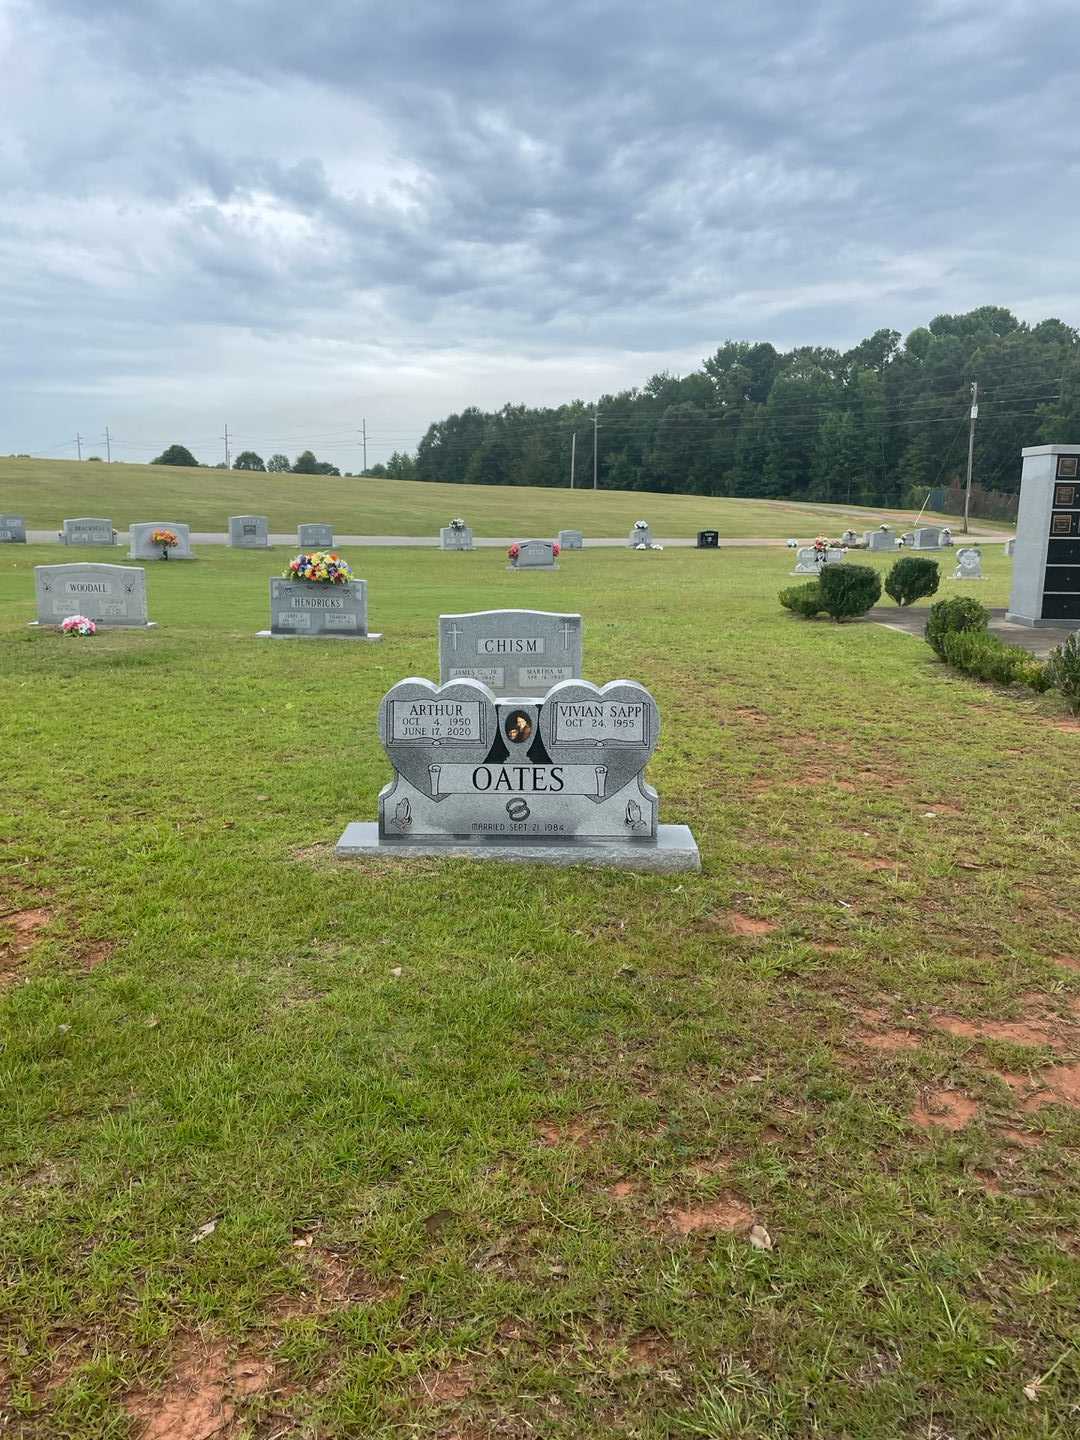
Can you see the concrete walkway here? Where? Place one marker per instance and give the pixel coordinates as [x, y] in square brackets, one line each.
[913, 622]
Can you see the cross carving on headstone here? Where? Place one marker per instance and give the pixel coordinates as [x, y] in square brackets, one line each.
[454, 631]
[566, 632]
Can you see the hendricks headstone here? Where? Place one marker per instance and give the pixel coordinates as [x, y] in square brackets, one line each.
[512, 652]
[12, 530]
[307, 610]
[456, 536]
[968, 565]
[88, 530]
[557, 780]
[708, 539]
[249, 532]
[315, 537]
[1046, 557]
[143, 548]
[534, 555]
[106, 594]
[571, 540]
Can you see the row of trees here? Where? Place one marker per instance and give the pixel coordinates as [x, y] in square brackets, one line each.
[304, 464]
[873, 425]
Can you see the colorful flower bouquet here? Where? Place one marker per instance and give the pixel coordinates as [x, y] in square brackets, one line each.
[166, 539]
[320, 567]
[78, 625]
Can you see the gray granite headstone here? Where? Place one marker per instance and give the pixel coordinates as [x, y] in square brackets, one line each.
[879, 540]
[12, 530]
[640, 535]
[571, 540]
[927, 537]
[315, 537]
[512, 652]
[249, 532]
[143, 548]
[106, 594]
[534, 555]
[849, 537]
[88, 530]
[456, 538]
[968, 565]
[305, 609]
[557, 780]
[1010, 547]
[806, 561]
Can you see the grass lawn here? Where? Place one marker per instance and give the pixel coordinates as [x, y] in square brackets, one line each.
[317, 1150]
[46, 492]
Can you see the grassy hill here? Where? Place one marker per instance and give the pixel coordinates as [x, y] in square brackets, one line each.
[47, 491]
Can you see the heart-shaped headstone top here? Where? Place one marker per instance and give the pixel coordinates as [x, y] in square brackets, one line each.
[616, 725]
[421, 724]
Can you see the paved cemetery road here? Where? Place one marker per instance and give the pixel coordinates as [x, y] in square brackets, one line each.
[1037, 642]
[431, 542]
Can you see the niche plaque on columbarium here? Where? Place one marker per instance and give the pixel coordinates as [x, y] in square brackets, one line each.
[557, 779]
[1046, 556]
[512, 652]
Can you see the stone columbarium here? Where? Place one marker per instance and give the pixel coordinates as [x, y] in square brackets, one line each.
[555, 776]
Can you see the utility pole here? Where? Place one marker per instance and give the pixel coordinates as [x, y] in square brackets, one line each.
[595, 427]
[227, 465]
[108, 446]
[78, 442]
[573, 456]
[363, 431]
[971, 451]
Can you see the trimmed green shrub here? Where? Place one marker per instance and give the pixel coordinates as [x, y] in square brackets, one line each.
[848, 590]
[985, 656]
[804, 600]
[911, 578]
[948, 617]
[1063, 671]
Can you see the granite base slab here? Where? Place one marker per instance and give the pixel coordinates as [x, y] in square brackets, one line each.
[675, 850]
[327, 635]
[101, 624]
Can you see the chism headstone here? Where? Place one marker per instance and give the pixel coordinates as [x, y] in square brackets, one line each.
[512, 652]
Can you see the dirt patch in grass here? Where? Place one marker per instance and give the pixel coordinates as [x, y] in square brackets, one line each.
[1068, 962]
[946, 1109]
[332, 1281]
[446, 1387]
[25, 925]
[891, 1042]
[727, 1215]
[1057, 1086]
[1014, 1032]
[650, 1351]
[199, 1400]
[875, 862]
[739, 924]
[623, 1189]
[97, 954]
[324, 850]
[571, 1132]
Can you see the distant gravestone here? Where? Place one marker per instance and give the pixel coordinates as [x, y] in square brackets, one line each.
[315, 537]
[306, 610]
[556, 780]
[928, 537]
[106, 594]
[249, 532]
[1010, 547]
[512, 652]
[811, 561]
[640, 537]
[533, 555]
[571, 540]
[849, 537]
[12, 530]
[456, 536]
[708, 539]
[968, 565]
[879, 540]
[88, 530]
[143, 548]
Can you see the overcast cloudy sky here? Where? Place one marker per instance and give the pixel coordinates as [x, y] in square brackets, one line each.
[288, 216]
